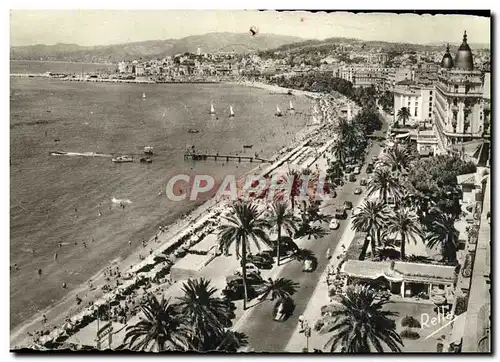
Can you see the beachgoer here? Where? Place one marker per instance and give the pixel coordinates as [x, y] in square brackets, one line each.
[39, 272]
[130, 242]
[328, 255]
[55, 256]
[76, 243]
[64, 285]
[93, 239]
[85, 245]
[44, 319]
[59, 244]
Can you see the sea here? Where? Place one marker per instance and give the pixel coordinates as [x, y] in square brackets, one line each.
[67, 200]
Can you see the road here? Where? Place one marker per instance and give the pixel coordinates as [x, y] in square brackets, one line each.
[266, 335]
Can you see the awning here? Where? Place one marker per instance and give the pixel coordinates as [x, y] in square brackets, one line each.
[404, 135]
[458, 328]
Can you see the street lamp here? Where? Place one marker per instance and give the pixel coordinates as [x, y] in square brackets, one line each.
[307, 334]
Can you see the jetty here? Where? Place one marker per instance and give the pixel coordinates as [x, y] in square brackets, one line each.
[216, 157]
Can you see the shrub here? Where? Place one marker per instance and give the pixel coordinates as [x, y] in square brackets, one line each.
[410, 322]
[409, 334]
[318, 325]
[461, 306]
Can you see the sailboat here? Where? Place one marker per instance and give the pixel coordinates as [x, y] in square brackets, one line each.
[143, 95]
[212, 109]
[291, 106]
[231, 113]
[278, 112]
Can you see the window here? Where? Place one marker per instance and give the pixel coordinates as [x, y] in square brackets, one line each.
[430, 114]
[430, 93]
[416, 109]
[430, 99]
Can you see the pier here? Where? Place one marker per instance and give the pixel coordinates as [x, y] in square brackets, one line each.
[227, 158]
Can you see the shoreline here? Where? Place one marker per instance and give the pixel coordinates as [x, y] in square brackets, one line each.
[67, 303]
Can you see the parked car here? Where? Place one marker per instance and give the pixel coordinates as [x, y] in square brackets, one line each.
[347, 205]
[234, 289]
[362, 182]
[352, 177]
[358, 191]
[369, 169]
[357, 170]
[309, 265]
[263, 260]
[334, 224]
[251, 269]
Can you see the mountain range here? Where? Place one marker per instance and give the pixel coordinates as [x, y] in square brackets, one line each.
[211, 42]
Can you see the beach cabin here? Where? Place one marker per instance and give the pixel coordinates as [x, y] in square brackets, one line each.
[409, 281]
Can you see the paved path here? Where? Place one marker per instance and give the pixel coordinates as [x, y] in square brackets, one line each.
[266, 335]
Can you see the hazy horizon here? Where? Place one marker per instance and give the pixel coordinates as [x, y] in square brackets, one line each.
[109, 27]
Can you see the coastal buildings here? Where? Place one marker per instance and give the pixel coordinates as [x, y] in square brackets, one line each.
[417, 98]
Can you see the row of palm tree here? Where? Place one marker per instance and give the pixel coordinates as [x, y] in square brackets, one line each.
[407, 219]
[198, 321]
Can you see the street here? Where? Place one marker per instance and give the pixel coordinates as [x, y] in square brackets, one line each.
[265, 334]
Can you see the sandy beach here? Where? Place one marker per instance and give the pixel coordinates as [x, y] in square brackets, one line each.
[58, 312]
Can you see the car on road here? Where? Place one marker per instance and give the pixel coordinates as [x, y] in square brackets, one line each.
[369, 169]
[352, 178]
[358, 191]
[283, 309]
[363, 182]
[357, 170]
[347, 205]
[307, 265]
[334, 224]
[340, 213]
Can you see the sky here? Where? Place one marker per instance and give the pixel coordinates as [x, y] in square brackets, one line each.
[102, 27]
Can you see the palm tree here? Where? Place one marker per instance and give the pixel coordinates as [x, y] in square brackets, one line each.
[358, 324]
[206, 315]
[335, 171]
[244, 224]
[385, 183]
[442, 232]
[404, 223]
[403, 115]
[162, 328]
[372, 216]
[282, 218]
[228, 341]
[293, 181]
[278, 289]
[339, 150]
[398, 158]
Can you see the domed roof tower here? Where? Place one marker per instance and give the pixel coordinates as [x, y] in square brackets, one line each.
[447, 61]
[463, 58]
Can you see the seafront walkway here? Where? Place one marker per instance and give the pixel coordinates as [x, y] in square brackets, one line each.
[265, 334]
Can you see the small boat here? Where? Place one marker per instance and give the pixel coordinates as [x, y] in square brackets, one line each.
[247, 146]
[278, 112]
[122, 159]
[57, 153]
[291, 106]
[212, 109]
[231, 113]
[143, 95]
[148, 150]
[193, 130]
[146, 160]
[290, 92]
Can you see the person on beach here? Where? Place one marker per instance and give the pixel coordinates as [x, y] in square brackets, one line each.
[130, 242]
[55, 256]
[39, 272]
[143, 243]
[328, 255]
[15, 267]
[59, 244]
[44, 319]
[85, 245]
[64, 285]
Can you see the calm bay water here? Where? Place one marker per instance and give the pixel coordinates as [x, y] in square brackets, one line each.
[114, 119]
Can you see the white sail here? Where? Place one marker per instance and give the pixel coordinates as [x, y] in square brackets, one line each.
[291, 105]
[231, 113]
[143, 95]
[212, 109]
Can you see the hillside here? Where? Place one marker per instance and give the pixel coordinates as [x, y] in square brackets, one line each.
[211, 42]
